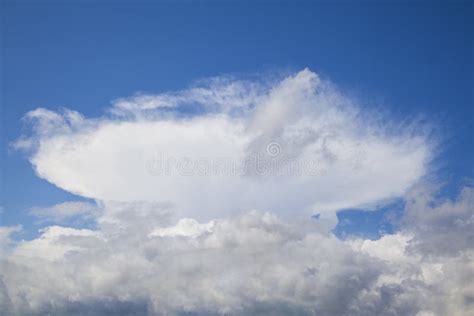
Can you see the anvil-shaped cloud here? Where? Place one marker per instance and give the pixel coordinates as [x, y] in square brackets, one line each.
[294, 146]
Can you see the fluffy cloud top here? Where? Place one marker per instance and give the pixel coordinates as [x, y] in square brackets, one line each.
[288, 146]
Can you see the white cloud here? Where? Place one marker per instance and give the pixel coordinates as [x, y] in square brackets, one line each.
[186, 227]
[66, 210]
[5, 240]
[166, 245]
[52, 245]
[335, 145]
[445, 227]
[219, 94]
[433, 253]
[247, 264]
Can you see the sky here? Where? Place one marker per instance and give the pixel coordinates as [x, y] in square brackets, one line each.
[375, 98]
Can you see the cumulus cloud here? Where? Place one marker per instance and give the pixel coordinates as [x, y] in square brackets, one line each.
[5, 233]
[445, 227]
[432, 255]
[186, 227]
[227, 145]
[66, 210]
[252, 263]
[203, 195]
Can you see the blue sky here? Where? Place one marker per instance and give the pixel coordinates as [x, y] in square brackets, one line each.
[411, 59]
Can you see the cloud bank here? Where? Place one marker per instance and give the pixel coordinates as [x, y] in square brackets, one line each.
[203, 199]
[253, 263]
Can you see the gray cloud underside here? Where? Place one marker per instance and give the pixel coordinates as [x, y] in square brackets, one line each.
[142, 262]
